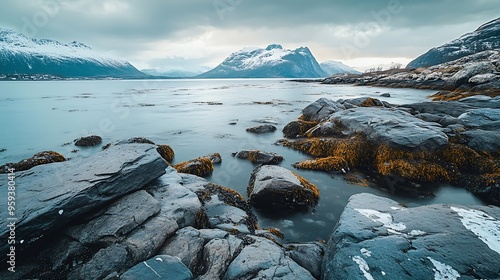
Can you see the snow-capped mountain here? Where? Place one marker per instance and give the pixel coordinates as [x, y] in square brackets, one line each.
[22, 55]
[336, 67]
[271, 62]
[486, 37]
[176, 73]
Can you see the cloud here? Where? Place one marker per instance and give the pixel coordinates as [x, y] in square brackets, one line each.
[206, 31]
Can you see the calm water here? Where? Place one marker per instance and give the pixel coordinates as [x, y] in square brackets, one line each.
[193, 117]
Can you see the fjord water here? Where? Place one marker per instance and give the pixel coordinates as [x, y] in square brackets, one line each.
[195, 117]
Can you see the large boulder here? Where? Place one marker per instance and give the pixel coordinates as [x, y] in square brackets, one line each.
[265, 260]
[396, 128]
[257, 156]
[374, 233]
[320, 109]
[187, 245]
[87, 141]
[201, 166]
[265, 128]
[60, 192]
[161, 266]
[451, 108]
[482, 117]
[482, 140]
[275, 187]
[470, 70]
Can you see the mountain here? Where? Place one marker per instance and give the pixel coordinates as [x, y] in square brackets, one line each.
[335, 67]
[177, 73]
[22, 55]
[486, 37]
[271, 62]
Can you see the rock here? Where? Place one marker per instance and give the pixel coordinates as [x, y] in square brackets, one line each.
[161, 266]
[275, 187]
[325, 129]
[387, 234]
[214, 158]
[146, 240]
[480, 117]
[307, 255]
[364, 102]
[209, 234]
[118, 220]
[386, 94]
[482, 140]
[325, 164]
[257, 156]
[2, 150]
[187, 245]
[216, 257]
[262, 129]
[469, 71]
[320, 109]
[264, 260]
[483, 78]
[60, 192]
[38, 159]
[103, 263]
[198, 166]
[428, 117]
[166, 152]
[86, 141]
[395, 128]
[450, 108]
[297, 128]
[134, 140]
[176, 201]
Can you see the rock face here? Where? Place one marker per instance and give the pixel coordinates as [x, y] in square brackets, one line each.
[60, 192]
[267, 128]
[257, 156]
[486, 37]
[274, 186]
[394, 127]
[374, 234]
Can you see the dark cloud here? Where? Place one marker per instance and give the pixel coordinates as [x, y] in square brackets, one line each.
[140, 29]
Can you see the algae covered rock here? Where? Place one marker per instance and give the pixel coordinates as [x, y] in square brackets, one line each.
[166, 152]
[320, 109]
[37, 159]
[199, 166]
[87, 141]
[297, 128]
[257, 156]
[266, 128]
[274, 187]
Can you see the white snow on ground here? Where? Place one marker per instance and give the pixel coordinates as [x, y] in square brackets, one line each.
[443, 271]
[363, 266]
[481, 224]
[384, 218]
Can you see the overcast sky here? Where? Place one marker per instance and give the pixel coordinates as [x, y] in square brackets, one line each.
[189, 34]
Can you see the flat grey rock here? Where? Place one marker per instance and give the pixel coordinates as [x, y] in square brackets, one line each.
[257, 156]
[480, 117]
[103, 263]
[216, 258]
[393, 127]
[60, 192]
[320, 109]
[427, 242]
[187, 245]
[265, 260]
[307, 255]
[482, 140]
[159, 267]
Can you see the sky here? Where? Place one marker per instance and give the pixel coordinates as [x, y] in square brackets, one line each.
[199, 34]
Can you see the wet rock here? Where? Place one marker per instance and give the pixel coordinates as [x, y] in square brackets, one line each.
[199, 166]
[325, 164]
[307, 255]
[216, 256]
[38, 159]
[364, 102]
[134, 140]
[320, 109]
[104, 262]
[482, 140]
[480, 117]
[215, 158]
[60, 192]
[166, 152]
[275, 187]
[161, 266]
[450, 108]
[87, 141]
[176, 201]
[297, 128]
[262, 129]
[388, 234]
[118, 220]
[257, 156]
[265, 260]
[393, 127]
[386, 94]
[326, 129]
[187, 245]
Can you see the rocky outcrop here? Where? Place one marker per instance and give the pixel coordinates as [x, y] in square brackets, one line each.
[87, 141]
[60, 192]
[266, 128]
[275, 187]
[257, 156]
[374, 234]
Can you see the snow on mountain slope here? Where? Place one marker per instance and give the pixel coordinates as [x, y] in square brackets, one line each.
[486, 37]
[335, 67]
[271, 62]
[20, 54]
